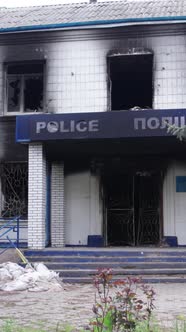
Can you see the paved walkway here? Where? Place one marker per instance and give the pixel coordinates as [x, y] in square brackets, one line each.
[73, 305]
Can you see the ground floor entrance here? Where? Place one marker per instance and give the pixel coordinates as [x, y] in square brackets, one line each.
[133, 208]
[113, 178]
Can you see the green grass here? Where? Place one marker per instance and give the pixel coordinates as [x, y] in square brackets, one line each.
[177, 326]
[10, 326]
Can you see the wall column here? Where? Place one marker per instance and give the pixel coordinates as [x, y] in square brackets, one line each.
[57, 205]
[96, 218]
[36, 196]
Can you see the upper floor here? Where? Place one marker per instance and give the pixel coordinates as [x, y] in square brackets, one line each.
[84, 69]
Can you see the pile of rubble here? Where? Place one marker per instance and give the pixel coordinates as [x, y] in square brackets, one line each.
[34, 278]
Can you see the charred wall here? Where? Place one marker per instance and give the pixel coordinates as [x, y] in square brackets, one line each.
[9, 149]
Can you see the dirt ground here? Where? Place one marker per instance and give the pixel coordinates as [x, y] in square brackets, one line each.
[73, 303]
[9, 255]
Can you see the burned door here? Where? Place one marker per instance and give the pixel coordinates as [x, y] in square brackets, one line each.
[133, 213]
[148, 208]
[120, 211]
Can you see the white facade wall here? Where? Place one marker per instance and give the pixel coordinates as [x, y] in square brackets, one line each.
[169, 202]
[83, 207]
[23, 233]
[174, 204]
[76, 71]
[57, 205]
[36, 197]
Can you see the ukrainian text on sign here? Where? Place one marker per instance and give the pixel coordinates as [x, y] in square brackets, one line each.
[158, 123]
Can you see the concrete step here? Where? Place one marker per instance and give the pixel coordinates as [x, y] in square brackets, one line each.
[81, 265]
[146, 279]
[101, 259]
[96, 252]
[123, 273]
[136, 265]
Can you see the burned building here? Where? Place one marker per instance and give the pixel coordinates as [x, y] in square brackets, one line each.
[86, 93]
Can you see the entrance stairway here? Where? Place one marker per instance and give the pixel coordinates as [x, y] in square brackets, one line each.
[79, 265]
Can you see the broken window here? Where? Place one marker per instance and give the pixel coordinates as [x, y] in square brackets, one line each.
[24, 88]
[131, 80]
[14, 190]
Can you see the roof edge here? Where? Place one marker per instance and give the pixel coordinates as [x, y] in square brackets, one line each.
[91, 23]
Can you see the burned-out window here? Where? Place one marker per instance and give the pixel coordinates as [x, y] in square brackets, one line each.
[13, 190]
[131, 81]
[24, 87]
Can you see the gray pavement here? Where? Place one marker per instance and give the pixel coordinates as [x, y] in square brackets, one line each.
[73, 304]
[9, 255]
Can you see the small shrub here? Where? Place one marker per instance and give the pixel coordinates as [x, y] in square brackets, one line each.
[120, 304]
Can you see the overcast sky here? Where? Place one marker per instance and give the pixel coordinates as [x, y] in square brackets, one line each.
[23, 3]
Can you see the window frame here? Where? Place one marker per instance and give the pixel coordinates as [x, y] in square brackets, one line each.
[140, 51]
[22, 76]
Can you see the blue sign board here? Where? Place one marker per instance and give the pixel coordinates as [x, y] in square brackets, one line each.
[180, 184]
[98, 125]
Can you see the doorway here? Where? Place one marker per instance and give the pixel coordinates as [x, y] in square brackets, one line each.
[133, 209]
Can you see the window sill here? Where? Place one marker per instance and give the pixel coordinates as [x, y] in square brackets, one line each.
[21, 113]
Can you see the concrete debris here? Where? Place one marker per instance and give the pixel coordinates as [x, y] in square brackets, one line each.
[36, 278]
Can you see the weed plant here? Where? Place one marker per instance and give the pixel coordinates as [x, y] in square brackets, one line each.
[120, 305]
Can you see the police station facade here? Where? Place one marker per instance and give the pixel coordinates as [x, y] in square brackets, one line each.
[102, 169]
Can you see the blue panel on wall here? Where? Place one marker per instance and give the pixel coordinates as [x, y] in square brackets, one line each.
[180, 184]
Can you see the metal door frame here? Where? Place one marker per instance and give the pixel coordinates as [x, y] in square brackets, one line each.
[105, 214]
[135, 230]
